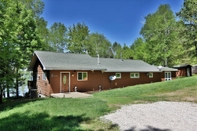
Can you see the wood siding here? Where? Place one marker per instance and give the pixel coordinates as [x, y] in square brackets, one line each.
[183, 72]
[95, 80]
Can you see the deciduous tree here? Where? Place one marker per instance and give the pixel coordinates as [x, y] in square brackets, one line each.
[18, 40]
[98, 44]
[159, 32]
[188, 14]
[139, 48]
[77, 38]
[117, 50]
[58, 37]
[126, 52]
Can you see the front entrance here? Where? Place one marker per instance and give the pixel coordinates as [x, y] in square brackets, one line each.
[168, 76]
[188, 71]
[65, 82]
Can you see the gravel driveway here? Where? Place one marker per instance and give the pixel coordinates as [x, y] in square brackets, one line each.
[158, 116]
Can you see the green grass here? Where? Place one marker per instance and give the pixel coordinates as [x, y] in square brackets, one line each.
[55, 114]
[147, 92]
[52, 114]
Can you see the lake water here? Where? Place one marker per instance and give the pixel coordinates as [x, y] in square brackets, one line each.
[22, 91]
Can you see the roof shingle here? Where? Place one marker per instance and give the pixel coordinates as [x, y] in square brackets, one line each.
[68, 61]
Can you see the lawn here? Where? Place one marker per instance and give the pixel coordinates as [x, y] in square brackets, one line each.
[76, 114]
[182, 89]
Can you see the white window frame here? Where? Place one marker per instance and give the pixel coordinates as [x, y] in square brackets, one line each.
[82, 76]
[150, 76]
[135, 75]
[44, 75]
[119, 76]
[167, 74]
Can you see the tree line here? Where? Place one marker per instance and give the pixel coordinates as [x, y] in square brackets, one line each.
[167, 38]
[78, 39]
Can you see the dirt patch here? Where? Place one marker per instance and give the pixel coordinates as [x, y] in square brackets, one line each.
[187, 94]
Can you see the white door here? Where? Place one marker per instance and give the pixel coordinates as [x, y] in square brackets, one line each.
[167, 76]
[188, 71]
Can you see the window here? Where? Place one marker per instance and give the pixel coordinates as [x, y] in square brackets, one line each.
[167, 76]
[82, 76]
[118, 75]
[36, 76]
[134, 75]
[150, 75]
[44, 75]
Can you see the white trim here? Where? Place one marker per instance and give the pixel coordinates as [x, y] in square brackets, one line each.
[166, 76]
[61, 81]
[135, 75]
[44, 75]
[82, 75]
[44, 68]
[118, 77]
[150, 75]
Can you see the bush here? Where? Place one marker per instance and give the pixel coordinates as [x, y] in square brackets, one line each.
[27, 95]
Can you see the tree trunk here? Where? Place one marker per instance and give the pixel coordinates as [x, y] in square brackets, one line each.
[8, 92]
[17, 92]
[195, 47]
[17, 88]
[1, 96]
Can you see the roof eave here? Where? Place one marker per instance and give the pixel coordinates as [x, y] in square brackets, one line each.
[63, 68]
[169, 70]
[32, 63]
[130, 71]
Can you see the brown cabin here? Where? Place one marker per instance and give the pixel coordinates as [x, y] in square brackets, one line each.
[66, 72]
[183, 70]
[194, 69]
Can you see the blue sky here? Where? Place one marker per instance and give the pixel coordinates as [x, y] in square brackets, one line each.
[117, 20]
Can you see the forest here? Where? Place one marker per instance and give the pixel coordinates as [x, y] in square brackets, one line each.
[167, 38]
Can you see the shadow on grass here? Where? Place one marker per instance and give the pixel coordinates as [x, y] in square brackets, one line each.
[148, 128]
[41, 122]
[15, 102]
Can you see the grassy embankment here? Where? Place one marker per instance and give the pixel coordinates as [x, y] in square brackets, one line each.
[83, 114]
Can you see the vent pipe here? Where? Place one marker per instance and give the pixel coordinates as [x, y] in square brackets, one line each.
[98, 60]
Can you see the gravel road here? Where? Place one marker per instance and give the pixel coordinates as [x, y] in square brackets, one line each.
[158, 116]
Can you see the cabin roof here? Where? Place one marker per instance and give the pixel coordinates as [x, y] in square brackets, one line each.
[70, 61]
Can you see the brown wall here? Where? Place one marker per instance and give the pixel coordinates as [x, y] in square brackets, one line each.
[181, 72]
[55, 81]
[95, 79]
